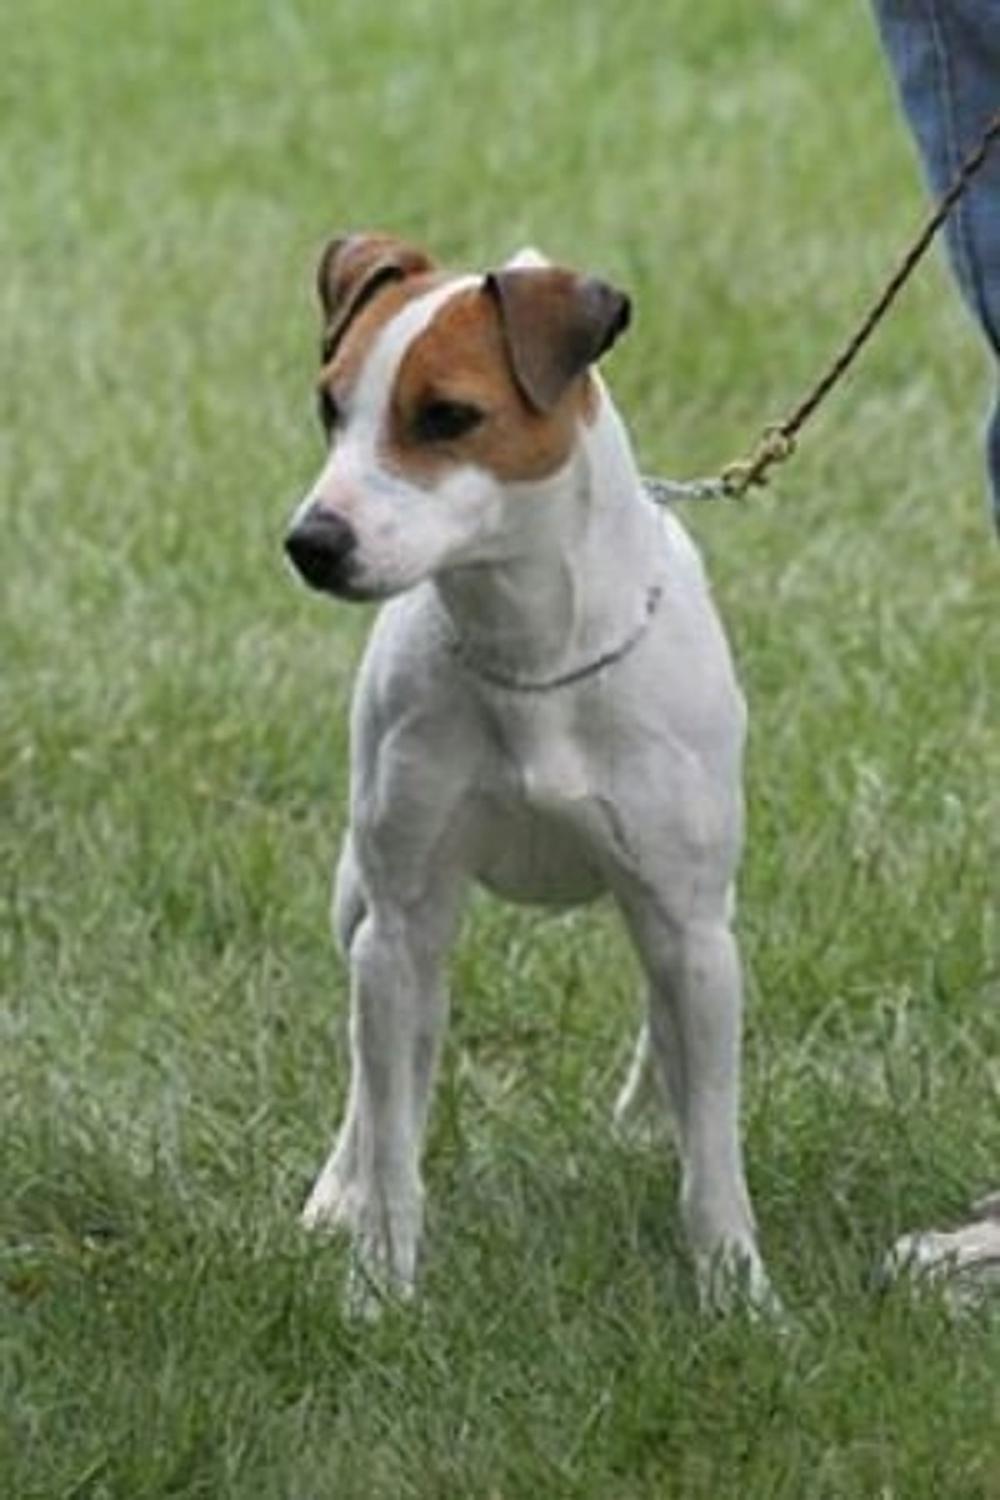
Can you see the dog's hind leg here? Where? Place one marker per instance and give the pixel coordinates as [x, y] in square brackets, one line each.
[635, 1094]
[640, 1099]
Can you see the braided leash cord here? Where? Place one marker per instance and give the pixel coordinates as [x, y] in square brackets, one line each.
[777, 441]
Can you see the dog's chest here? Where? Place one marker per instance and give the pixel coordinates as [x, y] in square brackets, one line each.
[543, 835]
[547, 764]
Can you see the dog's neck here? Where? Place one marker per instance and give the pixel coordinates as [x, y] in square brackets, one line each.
[576, 582]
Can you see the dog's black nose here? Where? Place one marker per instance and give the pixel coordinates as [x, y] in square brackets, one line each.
[320, 546]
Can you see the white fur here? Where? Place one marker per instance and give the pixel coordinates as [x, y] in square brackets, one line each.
[964, 1261]
[625, 782]
[528, 258]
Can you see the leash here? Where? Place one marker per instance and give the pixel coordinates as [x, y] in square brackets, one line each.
[778, 440]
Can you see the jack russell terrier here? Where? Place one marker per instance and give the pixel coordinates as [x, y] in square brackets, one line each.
[546, 706]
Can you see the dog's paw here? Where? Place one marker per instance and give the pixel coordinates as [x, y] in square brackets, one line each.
[371, 1288]
[384, 1240]
[732, 1280]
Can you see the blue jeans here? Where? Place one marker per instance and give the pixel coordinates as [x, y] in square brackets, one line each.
[945, 55]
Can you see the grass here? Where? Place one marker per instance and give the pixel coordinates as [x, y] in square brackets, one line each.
[172, 774]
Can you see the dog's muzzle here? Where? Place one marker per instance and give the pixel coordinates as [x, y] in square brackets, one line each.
[321, 546]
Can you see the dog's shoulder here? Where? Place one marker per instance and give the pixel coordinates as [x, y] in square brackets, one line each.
[409, 660]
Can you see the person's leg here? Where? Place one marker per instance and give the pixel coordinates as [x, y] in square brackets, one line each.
[945, 55]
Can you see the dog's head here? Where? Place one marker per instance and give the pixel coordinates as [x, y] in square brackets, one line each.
[447, 402]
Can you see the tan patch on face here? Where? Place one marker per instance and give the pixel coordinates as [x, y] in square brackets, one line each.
[461, 358]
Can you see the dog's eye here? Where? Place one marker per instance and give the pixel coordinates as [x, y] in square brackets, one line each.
[329, 411]
[442, 421]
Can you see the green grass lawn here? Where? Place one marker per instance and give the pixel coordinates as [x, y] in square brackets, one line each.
[172, 772]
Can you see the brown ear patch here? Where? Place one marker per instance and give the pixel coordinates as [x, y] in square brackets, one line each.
[461, 358]
[355, 268]
[555, 324]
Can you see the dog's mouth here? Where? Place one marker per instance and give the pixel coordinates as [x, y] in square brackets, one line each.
[354, 591]
[345, 587]
[341, 582]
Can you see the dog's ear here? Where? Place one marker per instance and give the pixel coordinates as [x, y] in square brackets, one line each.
[352, 270]
[555, 323]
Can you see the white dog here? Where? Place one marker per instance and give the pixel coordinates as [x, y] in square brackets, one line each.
[547, 707]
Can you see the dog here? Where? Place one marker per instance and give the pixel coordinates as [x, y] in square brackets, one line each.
[546, 706]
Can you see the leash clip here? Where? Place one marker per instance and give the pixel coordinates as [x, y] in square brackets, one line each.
[775, 445]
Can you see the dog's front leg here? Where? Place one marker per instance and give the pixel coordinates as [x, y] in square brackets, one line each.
[371, 1184]
[695, 1009]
